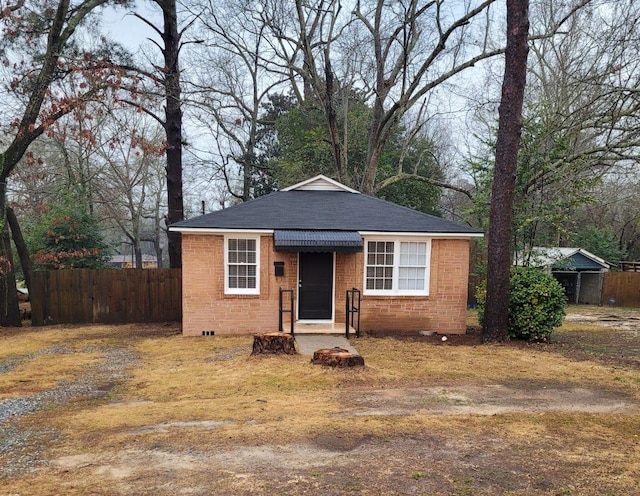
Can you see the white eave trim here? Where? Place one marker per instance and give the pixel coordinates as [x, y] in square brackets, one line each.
[423, 234]
[217, 230]
[220, 230]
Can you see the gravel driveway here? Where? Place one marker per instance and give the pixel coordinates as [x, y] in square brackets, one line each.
[21, 443]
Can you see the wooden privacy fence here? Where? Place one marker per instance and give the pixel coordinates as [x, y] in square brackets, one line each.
[76, 296]
[624, 287]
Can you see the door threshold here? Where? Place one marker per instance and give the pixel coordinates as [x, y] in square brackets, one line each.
[317, 327]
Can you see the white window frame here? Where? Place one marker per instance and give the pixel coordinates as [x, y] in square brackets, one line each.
[395, 291]
[241, 291]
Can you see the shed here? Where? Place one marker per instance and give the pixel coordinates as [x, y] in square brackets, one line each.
[580, 272]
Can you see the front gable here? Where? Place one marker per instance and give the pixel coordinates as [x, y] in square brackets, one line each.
[320, 183]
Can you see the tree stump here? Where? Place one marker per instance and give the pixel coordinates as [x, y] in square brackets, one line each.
[337, 357]
[274, 343]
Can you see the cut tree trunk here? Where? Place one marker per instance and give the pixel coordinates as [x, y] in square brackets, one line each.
[273, 343]
[337, 357]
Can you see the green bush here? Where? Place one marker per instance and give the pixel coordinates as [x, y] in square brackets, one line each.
[536, 304]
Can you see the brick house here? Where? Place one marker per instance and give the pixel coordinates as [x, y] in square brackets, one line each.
[316, 240]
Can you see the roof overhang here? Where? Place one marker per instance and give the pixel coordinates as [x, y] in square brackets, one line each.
[317, 241]
[425, 234]
[217, 230]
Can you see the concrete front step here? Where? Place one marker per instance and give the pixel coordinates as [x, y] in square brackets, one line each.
[307, 344]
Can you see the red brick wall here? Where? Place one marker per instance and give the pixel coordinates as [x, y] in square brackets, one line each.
[443, 311]
[207, 308]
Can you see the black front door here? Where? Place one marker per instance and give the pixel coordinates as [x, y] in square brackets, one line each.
[315, 287]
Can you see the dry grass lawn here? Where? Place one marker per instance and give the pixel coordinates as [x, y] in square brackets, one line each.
[201, 416]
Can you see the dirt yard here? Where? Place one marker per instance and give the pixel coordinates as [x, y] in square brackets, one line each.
[103, 410]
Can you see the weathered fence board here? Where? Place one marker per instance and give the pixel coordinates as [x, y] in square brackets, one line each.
[77, 296]
[623, 287]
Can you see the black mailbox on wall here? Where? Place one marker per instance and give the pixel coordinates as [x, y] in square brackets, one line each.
[279, 268]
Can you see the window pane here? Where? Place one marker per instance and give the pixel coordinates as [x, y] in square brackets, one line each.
[411, 278]
[413, 253]
[233, 244]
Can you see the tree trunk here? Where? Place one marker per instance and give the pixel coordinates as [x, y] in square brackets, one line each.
[157, 245]
[332, 120]
[247, 169]
[496, 315]
[9, 309]
[21, 246]
[138, 253]
[173, 127]
[369, 180]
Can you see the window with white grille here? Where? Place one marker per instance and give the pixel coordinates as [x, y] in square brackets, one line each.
[398, 267]
[242, 261]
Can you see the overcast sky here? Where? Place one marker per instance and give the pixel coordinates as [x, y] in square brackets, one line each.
[120, 25]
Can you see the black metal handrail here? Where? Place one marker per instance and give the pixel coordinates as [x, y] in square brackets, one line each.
[354, 298]
[282, 310]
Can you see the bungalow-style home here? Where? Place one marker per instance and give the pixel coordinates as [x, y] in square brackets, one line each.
[303, 248]
[580, 272]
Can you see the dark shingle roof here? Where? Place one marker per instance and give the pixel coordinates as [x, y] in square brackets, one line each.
[323, 210]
